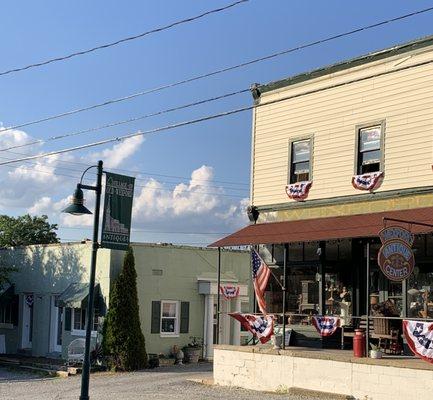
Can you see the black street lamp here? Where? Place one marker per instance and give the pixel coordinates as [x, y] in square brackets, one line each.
[77, 208]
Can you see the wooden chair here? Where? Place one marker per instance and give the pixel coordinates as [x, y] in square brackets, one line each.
[388, 337]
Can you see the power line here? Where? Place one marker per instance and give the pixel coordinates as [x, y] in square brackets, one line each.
[219, 71]
[117, 123]
[152, 231]
[210, 117]
[123, 40]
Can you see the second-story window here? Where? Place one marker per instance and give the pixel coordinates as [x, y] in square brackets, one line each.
[369, 149]
[300, 164]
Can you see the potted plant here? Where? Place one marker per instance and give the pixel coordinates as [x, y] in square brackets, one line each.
[375, 351]
[193, 350]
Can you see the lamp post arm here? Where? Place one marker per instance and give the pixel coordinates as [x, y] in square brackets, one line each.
[86, 363]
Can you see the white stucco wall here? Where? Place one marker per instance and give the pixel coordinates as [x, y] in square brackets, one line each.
[364, 379]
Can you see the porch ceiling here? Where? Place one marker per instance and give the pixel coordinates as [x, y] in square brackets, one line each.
[348, 226]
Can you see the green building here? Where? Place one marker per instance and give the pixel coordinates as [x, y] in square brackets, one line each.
[43, 308]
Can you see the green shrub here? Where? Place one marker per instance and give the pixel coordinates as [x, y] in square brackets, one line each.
[123, 341]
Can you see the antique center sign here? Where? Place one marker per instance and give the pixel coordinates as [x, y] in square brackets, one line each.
[396, 258]
[116, 222]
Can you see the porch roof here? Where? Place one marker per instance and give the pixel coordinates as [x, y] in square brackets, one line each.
[340, 227]
[75, 295]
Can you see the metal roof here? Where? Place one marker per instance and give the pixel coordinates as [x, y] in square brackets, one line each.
[354, 62]
[348, 226]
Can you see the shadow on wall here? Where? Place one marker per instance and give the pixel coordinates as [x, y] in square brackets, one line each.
[45, 268]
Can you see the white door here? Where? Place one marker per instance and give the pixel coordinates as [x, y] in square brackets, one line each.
[27, 331]
[56, 326]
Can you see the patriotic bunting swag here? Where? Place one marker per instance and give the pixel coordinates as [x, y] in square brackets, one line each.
[29, 298]
[419, 337]
[229, 291]
[262, 327]
[326, 326]
[299, 190]
[369, 181]
[261, 273]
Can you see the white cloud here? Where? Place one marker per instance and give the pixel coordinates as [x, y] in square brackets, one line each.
[120, 152]
[197, 205]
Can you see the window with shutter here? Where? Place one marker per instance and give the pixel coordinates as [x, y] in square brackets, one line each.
[68, 314]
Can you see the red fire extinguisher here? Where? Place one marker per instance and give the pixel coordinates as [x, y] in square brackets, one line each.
[359, 343]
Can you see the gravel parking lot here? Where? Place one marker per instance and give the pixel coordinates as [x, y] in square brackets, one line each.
[162, 383]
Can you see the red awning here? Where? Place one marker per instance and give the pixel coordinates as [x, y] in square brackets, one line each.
[348, 226]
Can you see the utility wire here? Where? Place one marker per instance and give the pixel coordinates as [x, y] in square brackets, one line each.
[206, 118]
[213, 116]
[123, 40]
[126, 121]
[219, 71]
[150, 231]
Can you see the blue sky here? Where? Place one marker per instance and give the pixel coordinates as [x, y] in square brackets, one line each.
[215, 152]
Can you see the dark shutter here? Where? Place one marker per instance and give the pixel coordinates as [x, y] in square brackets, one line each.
[184, 317]
[68, 313]
[15, 310]
[156, 317]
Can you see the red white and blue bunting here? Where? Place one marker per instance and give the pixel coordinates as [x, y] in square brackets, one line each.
[260, 326]
[29, 299]
[419, 337]
[368, 181]
[326, 325]
[229, 291]
[299, 191]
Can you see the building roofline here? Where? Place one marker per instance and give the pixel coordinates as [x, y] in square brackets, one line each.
[350, 63]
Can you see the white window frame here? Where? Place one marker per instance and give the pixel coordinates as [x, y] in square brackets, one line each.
[177, 319]
[79, 332]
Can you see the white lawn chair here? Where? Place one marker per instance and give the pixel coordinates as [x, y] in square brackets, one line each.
[76, 352]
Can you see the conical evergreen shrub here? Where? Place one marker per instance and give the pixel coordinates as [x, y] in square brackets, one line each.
[123, 341]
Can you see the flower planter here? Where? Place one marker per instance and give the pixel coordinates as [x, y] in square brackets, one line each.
[376, 354]
[192, 354]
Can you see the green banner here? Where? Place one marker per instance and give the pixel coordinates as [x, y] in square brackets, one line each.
[116, 223]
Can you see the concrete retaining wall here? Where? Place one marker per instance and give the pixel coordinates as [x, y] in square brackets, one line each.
[364, 379]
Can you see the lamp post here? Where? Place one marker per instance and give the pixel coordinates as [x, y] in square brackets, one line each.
[77, 208]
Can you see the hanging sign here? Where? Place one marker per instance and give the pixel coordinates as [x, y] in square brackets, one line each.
[116, 223]
[325, 325]
[229, 291]
[396, 260]
[368, 181]
[298, 191]
[419, 337]
[396, 232]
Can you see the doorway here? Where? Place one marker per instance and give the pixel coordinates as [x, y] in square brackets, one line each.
[27, 328]
[56, 326]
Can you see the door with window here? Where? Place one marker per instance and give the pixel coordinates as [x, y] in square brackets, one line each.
[27, 328]
[56, 326]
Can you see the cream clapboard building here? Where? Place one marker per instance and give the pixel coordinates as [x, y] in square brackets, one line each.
[335, 131]
[391, 88]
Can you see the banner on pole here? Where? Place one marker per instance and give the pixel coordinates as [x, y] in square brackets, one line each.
[116, 222]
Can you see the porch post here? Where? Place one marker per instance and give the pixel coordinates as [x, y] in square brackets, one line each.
[218, 298]
[286, 246]
[367, 292]
[236, 324]
[322, 294]
[209, 304]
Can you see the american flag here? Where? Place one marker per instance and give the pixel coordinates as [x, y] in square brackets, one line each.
[262, 327]
[261, 274]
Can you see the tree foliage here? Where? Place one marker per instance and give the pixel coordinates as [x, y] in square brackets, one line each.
[25, 230]
[21, 231]
[123, 341]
